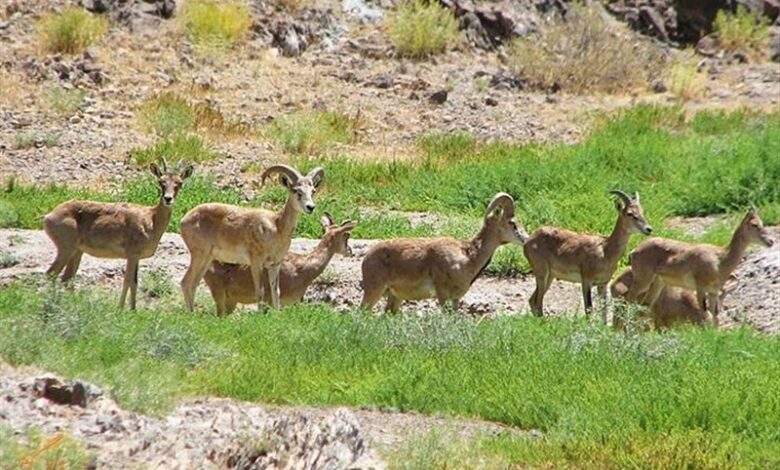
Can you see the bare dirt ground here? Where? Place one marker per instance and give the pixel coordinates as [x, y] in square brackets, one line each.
[219, 433]
[755, 298]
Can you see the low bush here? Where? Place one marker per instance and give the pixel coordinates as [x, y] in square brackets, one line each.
[71, 31]
[585, 53]
[312, 132]
[65, 102]
[29, 139]
[419, 29]
[212, 24]
[187, 147]
[742, 31]
[166, 115]
[685, 80]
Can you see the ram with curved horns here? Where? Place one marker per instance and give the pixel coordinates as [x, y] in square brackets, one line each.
[444, 268]
[583, 258]
[257, 238]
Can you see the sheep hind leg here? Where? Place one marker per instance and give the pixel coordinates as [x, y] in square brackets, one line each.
[543, 281]
[393, 303]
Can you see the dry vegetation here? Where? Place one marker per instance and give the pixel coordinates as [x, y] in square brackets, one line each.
[584, 54]
[684, 78]
[313, 132]
[211, 24]
[742, 31]
[71, 31]
[419, 29]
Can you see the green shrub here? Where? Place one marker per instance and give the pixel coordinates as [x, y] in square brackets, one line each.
[65, 102]
[213, 24]
[685, 80]
[190, 148]
[24, 140]
[166, 115]
[71, 31]
[744, 30]
[419, 29]
[8, 216]
[312, 132]
[584, 53]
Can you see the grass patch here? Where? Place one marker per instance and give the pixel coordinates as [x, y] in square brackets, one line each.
[169, 114]
[29, 139]
[187, 147]
[583, 54]
[742, 31]
[313, 132]
[216, 25]
[419, 29]
[685, 80]
[654, 150]
[701, 398]
[71, 31]
[65, 102]
[32, 450]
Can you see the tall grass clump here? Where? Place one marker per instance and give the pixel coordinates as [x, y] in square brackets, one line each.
[65, 102]
[585, 53]
[187, 147]
[213, 24]
[71, 31]
[166, 115]
[684, 78]
[743, 30]
[313, 132]
[419, 29]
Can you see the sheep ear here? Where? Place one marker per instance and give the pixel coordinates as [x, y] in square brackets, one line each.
[285, 182]
[325, 221]
[155, 170]
[635, 198]
[348, 225]
[187, 172]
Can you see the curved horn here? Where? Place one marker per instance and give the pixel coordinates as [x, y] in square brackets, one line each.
[621, 195]
[504, 201]
[179, 165]
[165, 164]
[326, 220]
[286, 170]
[316, 176]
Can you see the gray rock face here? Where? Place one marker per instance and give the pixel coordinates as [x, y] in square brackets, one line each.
[362, 10]
[132, 13]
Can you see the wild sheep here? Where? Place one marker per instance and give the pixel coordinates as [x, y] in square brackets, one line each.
[108, 230]
[255, 237]
[231, 284]
[444, 268]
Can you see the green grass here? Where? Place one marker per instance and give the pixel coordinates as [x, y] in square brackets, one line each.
[65, 102]
[216, 25]
[696, 398]
[71, 31]
[742, 31]
[32, 450]
[29, 139]
[188, 147]
[312, 132]
[712, 163]
[419, 29]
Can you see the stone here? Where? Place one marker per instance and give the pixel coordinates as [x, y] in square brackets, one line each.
[438, 97]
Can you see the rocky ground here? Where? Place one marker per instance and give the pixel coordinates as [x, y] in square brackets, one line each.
[754, 297]
[211, 432]
[347, 65]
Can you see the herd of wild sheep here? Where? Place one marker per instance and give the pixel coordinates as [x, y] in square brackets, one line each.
[243, 252]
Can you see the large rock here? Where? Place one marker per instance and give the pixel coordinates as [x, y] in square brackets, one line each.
[132, 13]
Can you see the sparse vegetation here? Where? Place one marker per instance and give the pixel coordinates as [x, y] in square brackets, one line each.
[157, 283]
[28, 139]
[7, 259]
[170, 115]
[419, 29]
[8, 215]
[585, 53]
[312, 132]
[685, 80]
[742, 31]
[602, 399]
[71, 31]
[34, 451]
[65, 102]
[212, 24]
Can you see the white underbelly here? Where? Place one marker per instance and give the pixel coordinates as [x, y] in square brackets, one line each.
[237, 255]
[414, 291]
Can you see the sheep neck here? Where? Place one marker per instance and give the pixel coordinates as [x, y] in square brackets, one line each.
[733, 253]
[617, 242]
[161, 217]
[480, 250]
[316, 261]
[287, 219]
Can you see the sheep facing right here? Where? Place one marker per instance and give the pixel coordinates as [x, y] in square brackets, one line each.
[231, 284]
[443, 268]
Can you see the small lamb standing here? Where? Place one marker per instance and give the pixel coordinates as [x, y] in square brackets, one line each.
[108, 230]
[258, 238]
[701, 268]
[231, 284]
[444, 268]
[584, 258]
